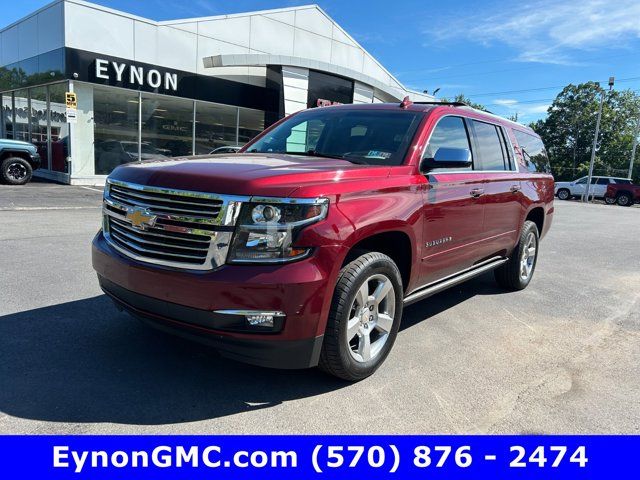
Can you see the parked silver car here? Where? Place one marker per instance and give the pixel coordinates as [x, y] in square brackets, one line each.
[577, 188]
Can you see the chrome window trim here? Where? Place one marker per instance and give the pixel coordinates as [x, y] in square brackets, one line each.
[465, 118]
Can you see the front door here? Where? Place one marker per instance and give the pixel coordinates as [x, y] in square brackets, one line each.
[453, 208]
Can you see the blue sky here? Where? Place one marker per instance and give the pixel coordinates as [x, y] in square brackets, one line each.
[510, 56]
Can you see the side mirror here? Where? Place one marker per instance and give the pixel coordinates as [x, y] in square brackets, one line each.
[446, 157]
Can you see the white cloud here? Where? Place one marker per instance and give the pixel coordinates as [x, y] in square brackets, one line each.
[505, 101]
[548, 31]
[525, 111]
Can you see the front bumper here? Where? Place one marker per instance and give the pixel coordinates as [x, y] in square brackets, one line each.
[184, 302]
[35, 161]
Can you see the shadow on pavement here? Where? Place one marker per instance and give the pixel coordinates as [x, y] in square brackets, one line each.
[431, 306]
[83, 362]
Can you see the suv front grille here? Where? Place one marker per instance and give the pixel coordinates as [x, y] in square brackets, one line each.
[174, 228]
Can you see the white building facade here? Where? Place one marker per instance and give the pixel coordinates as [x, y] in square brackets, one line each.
[175, 88]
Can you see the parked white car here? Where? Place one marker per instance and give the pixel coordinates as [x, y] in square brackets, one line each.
[577, 188]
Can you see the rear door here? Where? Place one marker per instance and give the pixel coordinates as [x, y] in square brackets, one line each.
[502, 199]
[453, 208]
[600, 188]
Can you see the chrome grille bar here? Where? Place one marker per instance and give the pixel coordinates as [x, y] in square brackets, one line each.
[169, 227]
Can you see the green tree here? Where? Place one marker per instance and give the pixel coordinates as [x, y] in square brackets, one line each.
[461, 98]
[568, 130]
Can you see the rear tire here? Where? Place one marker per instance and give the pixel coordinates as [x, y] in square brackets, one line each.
[15, 171]
[564, 194]
[364, 319]
[624, 200]
[609, 200]
[518, 271]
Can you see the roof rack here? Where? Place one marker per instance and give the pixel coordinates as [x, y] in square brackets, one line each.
[453, 104]
[407, 102]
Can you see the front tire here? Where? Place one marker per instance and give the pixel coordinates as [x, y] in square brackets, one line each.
[364, 319]
[564, 194]
[518, 271]
[15, 171]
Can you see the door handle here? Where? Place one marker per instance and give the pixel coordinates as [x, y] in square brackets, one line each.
[476, 192]
[515, 188]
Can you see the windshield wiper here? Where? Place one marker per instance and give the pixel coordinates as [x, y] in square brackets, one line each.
[313, 153]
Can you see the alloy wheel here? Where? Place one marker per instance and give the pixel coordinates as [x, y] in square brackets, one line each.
[528, 257]
[16, 171]
[371, 318]
[623, 200]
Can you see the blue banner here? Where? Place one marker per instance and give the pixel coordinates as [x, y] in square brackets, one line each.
[330, 457]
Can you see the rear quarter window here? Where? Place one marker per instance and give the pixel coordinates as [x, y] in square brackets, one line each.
[533, 152]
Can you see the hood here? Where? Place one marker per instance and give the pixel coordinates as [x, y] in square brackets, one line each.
[245, 174]
[17, 143]
[562, 184]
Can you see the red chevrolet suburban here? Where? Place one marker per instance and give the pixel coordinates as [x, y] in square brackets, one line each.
[623, 192]
[302, 249]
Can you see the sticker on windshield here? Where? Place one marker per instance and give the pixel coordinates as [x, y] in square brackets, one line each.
[378, 154]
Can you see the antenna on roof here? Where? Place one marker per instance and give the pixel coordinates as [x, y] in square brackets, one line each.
[406, 102]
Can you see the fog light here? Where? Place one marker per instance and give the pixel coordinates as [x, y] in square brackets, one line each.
[260, 320]
[250, 321]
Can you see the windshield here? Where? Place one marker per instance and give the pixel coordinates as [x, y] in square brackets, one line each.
[372, 137]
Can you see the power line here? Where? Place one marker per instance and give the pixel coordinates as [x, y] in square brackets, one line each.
[527, 67]
[540, 89]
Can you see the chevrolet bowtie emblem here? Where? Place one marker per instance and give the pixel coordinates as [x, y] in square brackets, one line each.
[141, 218]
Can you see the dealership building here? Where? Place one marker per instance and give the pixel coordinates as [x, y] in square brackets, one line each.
[174, 88]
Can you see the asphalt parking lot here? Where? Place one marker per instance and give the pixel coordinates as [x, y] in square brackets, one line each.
[562, 356]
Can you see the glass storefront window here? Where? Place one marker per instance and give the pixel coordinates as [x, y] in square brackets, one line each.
[167, 126]
[7, 115]
[115, 114]
[216, 127]
[59, 127]
[251, 123]
[38, 120]
[21, 110]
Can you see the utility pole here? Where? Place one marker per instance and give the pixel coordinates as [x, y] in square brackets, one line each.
[633, 149]
[595, 141]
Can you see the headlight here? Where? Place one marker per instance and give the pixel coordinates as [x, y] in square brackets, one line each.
[267, 229]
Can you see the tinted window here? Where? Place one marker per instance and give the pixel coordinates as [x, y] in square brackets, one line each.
[622, 181]
[450, 132]
[373, 137]
[582, 181]
[603, 181]
[326, 88]
[533, 151]
[489, 146]
[506, 148]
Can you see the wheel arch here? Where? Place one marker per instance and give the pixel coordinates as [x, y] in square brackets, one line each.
[4, 154]
[396, 242]
[628, 192]
[536, 215]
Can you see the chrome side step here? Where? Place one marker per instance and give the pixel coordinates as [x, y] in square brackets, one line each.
[454, 279]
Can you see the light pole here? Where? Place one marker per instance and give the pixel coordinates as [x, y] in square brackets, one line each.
[595, 141]
[633, 148]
